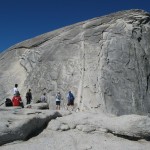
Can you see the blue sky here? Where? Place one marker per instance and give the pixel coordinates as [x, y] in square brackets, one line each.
[24, 19]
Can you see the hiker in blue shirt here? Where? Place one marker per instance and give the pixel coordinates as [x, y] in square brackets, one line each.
[70, 98]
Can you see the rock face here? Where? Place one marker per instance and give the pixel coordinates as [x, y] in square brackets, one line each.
[105, 61]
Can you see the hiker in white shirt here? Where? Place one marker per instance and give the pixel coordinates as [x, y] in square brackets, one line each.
[58, 100]
[15, 89]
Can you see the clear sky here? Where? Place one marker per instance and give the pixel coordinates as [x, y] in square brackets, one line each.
[24, 19]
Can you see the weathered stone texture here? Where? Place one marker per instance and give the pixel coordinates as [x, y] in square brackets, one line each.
[72, 131]
[22, 124]
[104, 61]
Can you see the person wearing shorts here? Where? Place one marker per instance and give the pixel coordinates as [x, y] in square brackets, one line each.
[58, 100]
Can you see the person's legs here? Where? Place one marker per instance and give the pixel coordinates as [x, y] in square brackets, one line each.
[57, 105]
[68, 104]
[28, 101]
[72, 105]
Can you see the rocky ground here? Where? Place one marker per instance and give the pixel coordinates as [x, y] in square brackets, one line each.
[37, 129]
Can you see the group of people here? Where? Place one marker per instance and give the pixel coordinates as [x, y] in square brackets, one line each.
[70, 98]
[17, 101]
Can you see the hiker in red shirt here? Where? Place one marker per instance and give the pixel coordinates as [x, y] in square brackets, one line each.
[16, 100]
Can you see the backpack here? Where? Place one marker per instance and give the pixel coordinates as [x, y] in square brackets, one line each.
[8, 102]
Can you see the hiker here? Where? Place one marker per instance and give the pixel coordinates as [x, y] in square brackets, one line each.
[15, 89]
[29, 96]
[70, 98]
[16, 100]
[43, 98]
[58, 100]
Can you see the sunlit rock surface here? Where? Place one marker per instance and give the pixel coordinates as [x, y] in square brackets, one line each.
[63, 130]
[103, 61]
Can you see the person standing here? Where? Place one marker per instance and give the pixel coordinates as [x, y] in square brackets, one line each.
[58, 100]
[16, 100]
[15, 89]
[29, 96]
[70, 98]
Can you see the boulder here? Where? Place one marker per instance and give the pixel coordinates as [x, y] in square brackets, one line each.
[22, 124]
[128, 126]
[38, 106]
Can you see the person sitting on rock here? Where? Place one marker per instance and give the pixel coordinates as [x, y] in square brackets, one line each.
[43, 98]
[16, 100]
